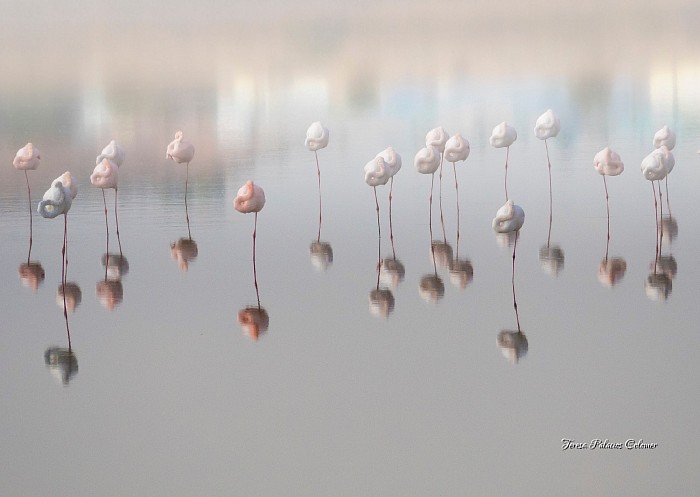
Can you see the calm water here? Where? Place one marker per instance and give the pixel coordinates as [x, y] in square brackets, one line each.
[167, 394]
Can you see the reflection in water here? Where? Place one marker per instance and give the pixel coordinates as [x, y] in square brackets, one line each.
[431, 288]
[669, 227]
[321, 254]
[31, 274]
[184, 251]
[442, 254]
[551, 259]
[381, 302]
[69, 296]
[611, 271]
[62, 363]
[392, 272]
[513, 345]
[461, 272]
[663, 268]
[254, 320]
[110, 293]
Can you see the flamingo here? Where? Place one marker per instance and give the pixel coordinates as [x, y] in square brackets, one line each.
[376, 174]
[105, 176]
[427, 161]
[182, 152]
[437, 137]
[251, 198]
[656, 167]
[28, 159]
[665, 137]
[547, 126]
[608, 163]
[456, 149]
[57, 200]
[392, 160]
[114, 152]
[504, 135]
[317, 138]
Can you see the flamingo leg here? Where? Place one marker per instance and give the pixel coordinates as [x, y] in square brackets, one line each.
[116, 220]
[505, 178]
[255, 273]
[187, 214]
[442, 219]
[64, 270]
[31, 221]
[607, 206]
[515, 303]
[391, 225]
[104, 201]
[320, 210]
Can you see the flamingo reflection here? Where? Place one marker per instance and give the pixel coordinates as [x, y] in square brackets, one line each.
[663, 268]
[110, 291]
[431, 288]
[62, 363]
[184, 251]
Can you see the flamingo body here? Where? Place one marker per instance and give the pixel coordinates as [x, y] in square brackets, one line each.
[437, 137]
[56, 201]
[427, 160]
[503, 135]
[114, 152]
[655, 166]
[377, 172]
[316, 137]
[456, 149]
[105, 175]
[180, 150]
[250, 198]
[392, 160]
[27, 158]
[665, 136]
[547, 125]
[608, 163]
[509, 218]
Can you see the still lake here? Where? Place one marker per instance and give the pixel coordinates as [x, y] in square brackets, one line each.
[168, 394]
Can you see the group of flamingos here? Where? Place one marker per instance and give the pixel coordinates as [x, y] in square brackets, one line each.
[439, 147]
